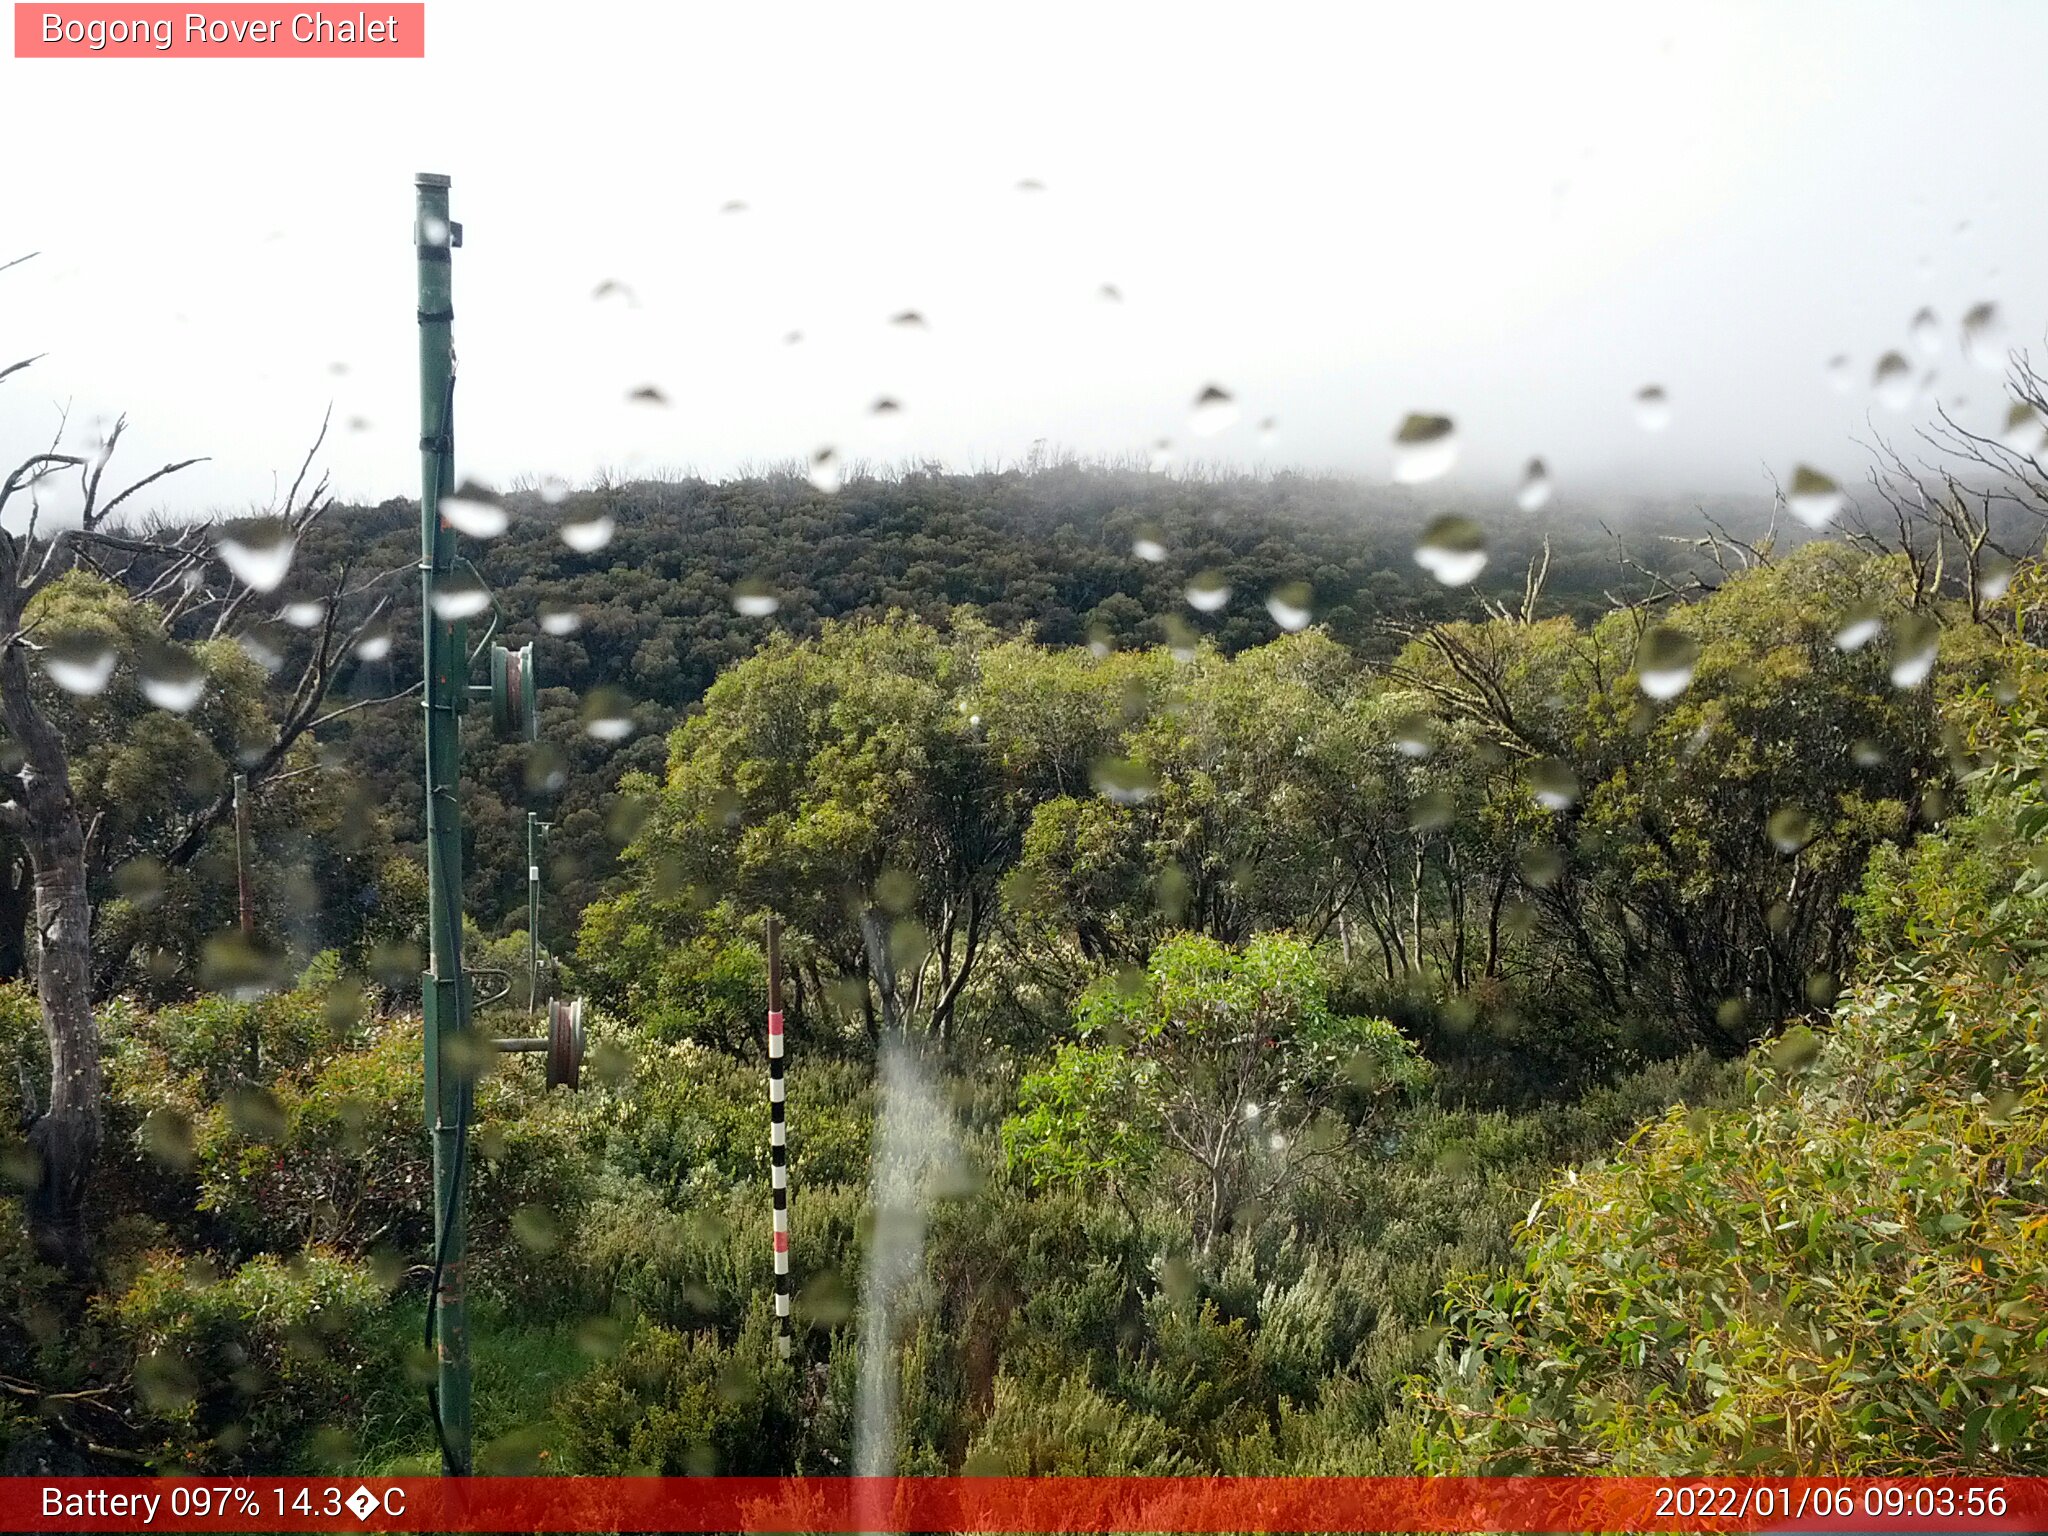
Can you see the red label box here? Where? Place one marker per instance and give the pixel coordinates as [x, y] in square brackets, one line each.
[234, 31]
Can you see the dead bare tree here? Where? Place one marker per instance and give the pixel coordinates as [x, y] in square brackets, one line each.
[178, 570]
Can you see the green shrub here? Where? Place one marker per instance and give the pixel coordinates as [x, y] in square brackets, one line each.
[238, 1372]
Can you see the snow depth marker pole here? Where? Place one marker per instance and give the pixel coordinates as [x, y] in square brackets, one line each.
[778, 1149]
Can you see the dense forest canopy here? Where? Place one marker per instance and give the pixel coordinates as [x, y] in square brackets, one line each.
[1209, 985]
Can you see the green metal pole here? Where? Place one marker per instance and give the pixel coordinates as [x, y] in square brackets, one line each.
[445, 1000]
[532, 911]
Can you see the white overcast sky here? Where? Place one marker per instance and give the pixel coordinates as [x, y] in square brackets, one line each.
[1517, 215]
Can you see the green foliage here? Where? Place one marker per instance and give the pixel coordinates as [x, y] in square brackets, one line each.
[1225, 1062]
[236, 1371]
[1847, 1274]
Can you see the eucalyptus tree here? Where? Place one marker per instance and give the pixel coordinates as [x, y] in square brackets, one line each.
[63, 515]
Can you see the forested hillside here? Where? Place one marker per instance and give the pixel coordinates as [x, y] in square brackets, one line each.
[1210, 1033]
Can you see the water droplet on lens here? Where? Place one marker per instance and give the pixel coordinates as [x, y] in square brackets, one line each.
[1269, 432]
[1984, 336]
[1161, 456]
[1653, 408]
[1916, 640]
[1925, 330]
[1124, 781]
[559, 619]
[608, 715]
[1534, 492]
[1424, 448]
[732, 205]
[263, 644]
[553, 489]
[474, 512]
[754, 599]
[588, 535]
[1893, 381]
[909, 320]
[1148, 549]
[1994, 577]
[1290, 606]
[1860, 626]
[1207, 592]
[171, 678]
[1452, 549]
[258, 553]
[1789, 829]
[824, 471]
[2025, 431]
[1415, 735]
[646, 394]
[1841, 373]
[82, 664]
[375, 644]
[1553, 783]
[460, 594]
[1109, 293]
[303, 615]
[1665, 662]
[1214, 412]
[1813, 498]
[1030, 184]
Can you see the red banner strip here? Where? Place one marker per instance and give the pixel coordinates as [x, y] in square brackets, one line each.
[232, 31]
[1052, 1504]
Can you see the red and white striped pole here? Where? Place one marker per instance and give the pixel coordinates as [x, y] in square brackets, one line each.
[778, 1149]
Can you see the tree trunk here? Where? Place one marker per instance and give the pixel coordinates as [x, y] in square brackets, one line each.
[66, 1136]
[16, 889]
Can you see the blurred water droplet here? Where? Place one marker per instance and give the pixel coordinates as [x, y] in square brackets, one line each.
[1424, 448]
[460, 594]
[1925, 331]
[1161, 456]
[1148, 549]
[559, 619]
[1207, 591]
[1916, 640]
[2025, 431]
[475, 512]
[1892, 379]
[1452, 549]
[608, 715]
[1813, 498]
[588, 535]
[1860, 626]
[303, 615]
[909, 320]
[1665, 662]
[1214, 411]
[1865, 753]
[732, 205]
[1553, 784]
[1269, 431]
[1109, 293]
[1415, 735]
[171, 678]
[1653, 408]
[824, 471]
[1789, 829]
[80, 663]
[1994, 576]
[1534, 492]
[554, 490]
[646, 394]
[754, 599]
[792, 338]
[1431, 811]
[1984, 336]
[1540, 865]
[1030, 184]
[617, 292]
[1124, 781]
[1290, 606]
[259, 554]
[1841, 373]
[375, 644]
